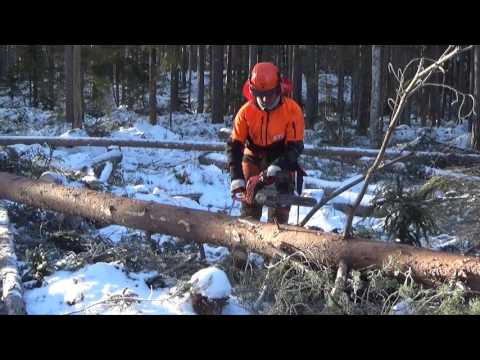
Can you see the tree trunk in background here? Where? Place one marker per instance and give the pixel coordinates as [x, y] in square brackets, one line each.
[289, 73]
[174, 100]
[434, 91]
[267, 53]
[35, 77]
[77, 87]
[311, 107]
[341, 84]
[252, 56]
[69, 83]
[125, 76]
[355, 71]
[152, 84]
[297, 75]
[217, 85]
[375, 96]
[228, 81]
[184, 66]
[191, 56]
[116, 82]
[3, 62]
[384, 83]
[193, 62]
[471, 89]
[443, 96]
[476, 94]
[200, 78]
[51, 77]
[235, 92]
[210, 77]
[364, 90]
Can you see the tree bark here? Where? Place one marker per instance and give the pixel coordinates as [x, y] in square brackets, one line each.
[252, 56]
[152, 85]
[476, 122]
[202, 226]
[297, 75]
[77, 87]
[375, 96]
[201, 78]
[228, 81]
[364, 90]
[311, 108]
[174, 100]
[51, 77]
[341, 86]
[3, 62]
[35, 78]
[217, 85]
[68, 58]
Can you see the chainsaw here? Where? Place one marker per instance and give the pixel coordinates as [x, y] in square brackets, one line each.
[271, 198]
[264, 191]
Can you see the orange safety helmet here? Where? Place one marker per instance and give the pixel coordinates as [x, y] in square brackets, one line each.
[265, 80]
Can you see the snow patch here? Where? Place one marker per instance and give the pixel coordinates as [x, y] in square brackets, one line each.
[212, 283]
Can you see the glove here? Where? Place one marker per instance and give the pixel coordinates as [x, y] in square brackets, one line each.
[237, 186]
[253, 185]
[273, 170]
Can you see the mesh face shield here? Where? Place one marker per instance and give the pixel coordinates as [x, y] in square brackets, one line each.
[267, 106]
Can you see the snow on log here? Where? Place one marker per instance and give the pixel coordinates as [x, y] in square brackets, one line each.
[201, 226]
[12, 289]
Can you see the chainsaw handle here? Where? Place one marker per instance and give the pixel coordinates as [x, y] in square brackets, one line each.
[238, 196]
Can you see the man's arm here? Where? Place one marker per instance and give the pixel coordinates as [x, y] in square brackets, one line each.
[235, 145]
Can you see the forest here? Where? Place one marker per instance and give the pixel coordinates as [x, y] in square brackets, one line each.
[115, 185]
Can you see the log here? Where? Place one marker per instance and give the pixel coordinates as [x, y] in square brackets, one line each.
[211, 159]
[12, 289]
[200, 226]
[429, 171]
[326, 152]
[114, 156]
[362, 210]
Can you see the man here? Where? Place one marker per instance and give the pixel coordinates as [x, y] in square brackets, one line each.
[266, 141]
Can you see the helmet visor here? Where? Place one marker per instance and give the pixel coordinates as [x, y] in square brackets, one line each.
[266, 93]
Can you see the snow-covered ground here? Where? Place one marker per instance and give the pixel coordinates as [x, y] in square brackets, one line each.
[167, 177]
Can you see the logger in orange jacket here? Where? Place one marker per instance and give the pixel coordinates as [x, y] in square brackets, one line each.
[267, 137]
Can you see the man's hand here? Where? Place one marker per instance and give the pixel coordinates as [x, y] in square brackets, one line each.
[237, 187]
[273, 170]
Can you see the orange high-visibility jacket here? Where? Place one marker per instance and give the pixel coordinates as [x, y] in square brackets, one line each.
[263, 128]
[272, 133]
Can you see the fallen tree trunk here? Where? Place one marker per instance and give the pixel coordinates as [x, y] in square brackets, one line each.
[12, 289]
[326, 152]
[428, 266]
[114, 156]
[429, 171]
